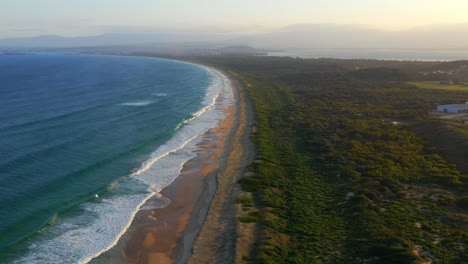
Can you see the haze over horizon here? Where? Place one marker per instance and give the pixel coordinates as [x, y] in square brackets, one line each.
[26, 18]
[298, 24]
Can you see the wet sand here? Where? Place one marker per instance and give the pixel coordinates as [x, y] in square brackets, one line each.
[199, 223]
[176, 226]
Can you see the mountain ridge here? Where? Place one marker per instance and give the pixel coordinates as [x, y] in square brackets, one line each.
[291, 37]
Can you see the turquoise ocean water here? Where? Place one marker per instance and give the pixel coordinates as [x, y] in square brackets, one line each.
[86, 140]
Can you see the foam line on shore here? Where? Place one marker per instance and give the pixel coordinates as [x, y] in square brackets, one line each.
[144, 173]
[163, 167]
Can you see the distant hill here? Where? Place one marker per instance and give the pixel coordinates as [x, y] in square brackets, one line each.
[307, 36]
[359, 37]
[111, 39]
[99, 40]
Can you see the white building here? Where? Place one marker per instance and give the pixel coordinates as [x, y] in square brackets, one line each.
[453, 108]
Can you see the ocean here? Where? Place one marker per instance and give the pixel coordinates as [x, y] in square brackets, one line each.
[85, 141]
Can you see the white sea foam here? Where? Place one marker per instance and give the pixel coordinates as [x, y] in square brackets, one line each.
[80, 238]
[160, 202]
[160, 94]
[104, 221]
[138, 103]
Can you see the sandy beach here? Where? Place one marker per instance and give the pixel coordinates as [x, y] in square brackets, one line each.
[222, 239]
[200, 221]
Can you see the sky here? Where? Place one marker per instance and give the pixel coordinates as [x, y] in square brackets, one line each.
[21, 18]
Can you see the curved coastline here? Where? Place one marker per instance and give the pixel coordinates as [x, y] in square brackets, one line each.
[187, 146]
[142, 241]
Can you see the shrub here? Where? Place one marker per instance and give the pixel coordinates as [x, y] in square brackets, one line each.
[463, 202]
[245, 201]
[252, 217]
[248, 219]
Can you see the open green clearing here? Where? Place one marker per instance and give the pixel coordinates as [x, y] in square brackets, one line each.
[438, 85]
[460, 128]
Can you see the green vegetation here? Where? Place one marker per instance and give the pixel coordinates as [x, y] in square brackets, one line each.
[460, 128]
[438, 85]
[252, 217]
[245, 201]
[463, 202]
[338, 176]
[447, 137]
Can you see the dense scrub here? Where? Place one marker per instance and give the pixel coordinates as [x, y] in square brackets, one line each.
[449, 138]
[338, 176]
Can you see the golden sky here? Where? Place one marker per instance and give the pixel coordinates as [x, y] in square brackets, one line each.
[69, 17]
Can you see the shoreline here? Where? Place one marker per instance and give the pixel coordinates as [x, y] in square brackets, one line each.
[168, 234]
[169, 240]
[201, 140]
[218, 240]
[192, 195]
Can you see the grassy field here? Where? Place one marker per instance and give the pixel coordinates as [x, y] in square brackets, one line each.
[437, 85]
[449, 138]
[460, 128]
